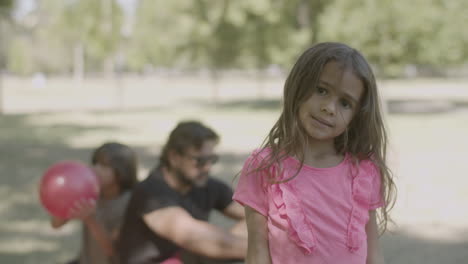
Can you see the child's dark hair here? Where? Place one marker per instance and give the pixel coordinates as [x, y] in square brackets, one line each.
[185, 135]
[122, 159]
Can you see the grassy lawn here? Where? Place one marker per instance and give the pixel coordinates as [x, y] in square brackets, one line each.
[428, 154]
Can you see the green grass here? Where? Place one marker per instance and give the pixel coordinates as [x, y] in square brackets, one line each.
[428, 155]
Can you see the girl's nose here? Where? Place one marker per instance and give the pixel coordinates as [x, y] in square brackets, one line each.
[328, 108]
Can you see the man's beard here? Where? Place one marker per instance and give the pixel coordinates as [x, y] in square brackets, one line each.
[199, 181]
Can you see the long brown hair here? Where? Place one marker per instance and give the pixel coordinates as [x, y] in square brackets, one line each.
[123, 161]
[365, 137]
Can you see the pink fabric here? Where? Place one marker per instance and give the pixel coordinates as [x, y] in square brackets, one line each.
[317, 217]
[172, 260]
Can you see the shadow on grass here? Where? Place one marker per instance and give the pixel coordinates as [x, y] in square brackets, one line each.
[403, 248]
[27, 149]
[247, 104]
[33, 257]
[394, 106]
[424, 106]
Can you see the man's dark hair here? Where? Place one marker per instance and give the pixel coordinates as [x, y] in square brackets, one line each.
[185, 135]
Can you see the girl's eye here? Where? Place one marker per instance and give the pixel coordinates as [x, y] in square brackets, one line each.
[346, 104]
[321, 91]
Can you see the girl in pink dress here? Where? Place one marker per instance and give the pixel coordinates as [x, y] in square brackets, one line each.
[311, 191]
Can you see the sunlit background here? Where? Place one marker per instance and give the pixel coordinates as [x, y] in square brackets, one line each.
[77, 73]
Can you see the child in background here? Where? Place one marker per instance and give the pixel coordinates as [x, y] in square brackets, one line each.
[115, 166]
[311, 191]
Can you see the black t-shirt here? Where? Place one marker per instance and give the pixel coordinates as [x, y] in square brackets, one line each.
[140, 245]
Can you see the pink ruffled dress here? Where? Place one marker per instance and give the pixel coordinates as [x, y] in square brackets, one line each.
[317, 217]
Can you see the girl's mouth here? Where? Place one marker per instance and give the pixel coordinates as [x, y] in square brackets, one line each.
[322, 121]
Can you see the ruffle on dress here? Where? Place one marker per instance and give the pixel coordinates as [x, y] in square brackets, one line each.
[299, 227]
[361, 191]
[299, 230]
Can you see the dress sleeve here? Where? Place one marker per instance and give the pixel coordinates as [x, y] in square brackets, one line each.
[251, 189]
[376, 197]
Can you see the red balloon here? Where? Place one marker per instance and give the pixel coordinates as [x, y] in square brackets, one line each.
[63, 184]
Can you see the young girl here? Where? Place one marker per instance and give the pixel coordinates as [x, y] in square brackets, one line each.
[115, 166]
[311, 191]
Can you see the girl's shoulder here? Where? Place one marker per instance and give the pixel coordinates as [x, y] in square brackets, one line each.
[261, 152]
[367, 184]
[265, 153]
[368, 166]
[276, 167]
[258, 156]
[263, 156]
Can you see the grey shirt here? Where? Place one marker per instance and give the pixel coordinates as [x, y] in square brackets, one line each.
[109, 214]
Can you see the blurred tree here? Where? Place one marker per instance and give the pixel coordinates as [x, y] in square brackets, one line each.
[222, 49]
[82, 29]
[219, 35]
[73, 30]
[160, 30]
[252, 35]
[395, 33]
[93, 28]
[32, 51]
[6, 8]
[444, 41]
[200, 35]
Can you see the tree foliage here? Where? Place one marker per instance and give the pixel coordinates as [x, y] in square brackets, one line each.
[223, 34]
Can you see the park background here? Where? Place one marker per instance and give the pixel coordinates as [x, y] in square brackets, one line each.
[77, 73]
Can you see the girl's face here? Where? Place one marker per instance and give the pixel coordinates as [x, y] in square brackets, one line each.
[105, 175]
[328, 111]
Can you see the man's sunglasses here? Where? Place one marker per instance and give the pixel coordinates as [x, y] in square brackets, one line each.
[203, 160]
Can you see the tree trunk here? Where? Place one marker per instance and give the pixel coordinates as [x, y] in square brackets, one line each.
[120, 88]
[260, 76]
[215, 80]
[1, 92]
[2, 62]
[78, 62]
[107, 28]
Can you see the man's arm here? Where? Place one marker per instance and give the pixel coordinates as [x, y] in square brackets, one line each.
[234, 211]
[374, 252]
[258, 251]
[199, 237]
